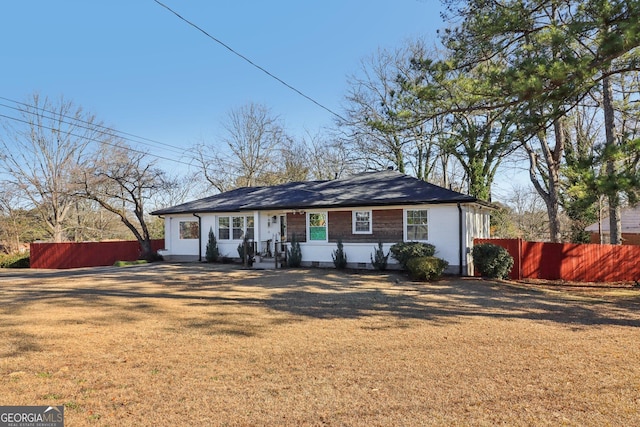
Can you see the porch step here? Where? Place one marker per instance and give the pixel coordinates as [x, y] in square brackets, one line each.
[265, 263]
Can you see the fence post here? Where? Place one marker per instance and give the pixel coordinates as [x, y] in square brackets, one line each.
[519, 261]
[275, 251]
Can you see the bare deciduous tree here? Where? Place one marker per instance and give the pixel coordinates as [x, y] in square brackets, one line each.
[381, 127]
[329, 157]
[43, 152]
[250, 152]
[122, 180]
[18, 223]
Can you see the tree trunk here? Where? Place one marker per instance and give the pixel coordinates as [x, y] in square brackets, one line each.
[57, 233]
[612, 193]
[553, 209]
[550, 174]
[147, 253]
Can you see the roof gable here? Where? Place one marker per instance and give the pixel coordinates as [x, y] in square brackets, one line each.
[364, 189]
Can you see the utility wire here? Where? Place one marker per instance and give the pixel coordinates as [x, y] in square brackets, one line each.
[106, 130]
[99, 141]
[250, 61]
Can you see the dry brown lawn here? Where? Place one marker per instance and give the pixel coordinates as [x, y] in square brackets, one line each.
[199, 344]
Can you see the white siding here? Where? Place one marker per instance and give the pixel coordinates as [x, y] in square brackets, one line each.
[174, 246]
[443, 233]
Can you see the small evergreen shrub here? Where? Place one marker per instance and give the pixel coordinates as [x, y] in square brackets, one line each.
[294, 253]
[16, 260]
[426, 268]
[250, 254]
[379, 259]
[212, 254]
[339, 257]
[492, 260]
[403, 252]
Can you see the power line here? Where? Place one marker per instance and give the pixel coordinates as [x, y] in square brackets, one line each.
[250, 61]
[106, 130]
[133, 150]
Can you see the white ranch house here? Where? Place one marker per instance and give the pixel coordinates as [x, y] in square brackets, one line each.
[362, 210]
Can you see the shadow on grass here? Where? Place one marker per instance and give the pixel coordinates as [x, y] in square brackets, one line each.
[452, 301]
[19, 344]
[316, 293]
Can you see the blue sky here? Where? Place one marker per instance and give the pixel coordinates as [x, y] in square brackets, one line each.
[142, 70]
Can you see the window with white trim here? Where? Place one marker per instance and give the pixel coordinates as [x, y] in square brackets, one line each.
[189, 230]
[361, 221]
[250, 227]
[223, 228]
[317, 226]
[416, 225]
[237, 227]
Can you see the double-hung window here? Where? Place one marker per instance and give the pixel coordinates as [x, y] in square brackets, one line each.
[250, 228]
[237, 227]
[416, 225]
[318, 226]
[223, 228]
[361, 221]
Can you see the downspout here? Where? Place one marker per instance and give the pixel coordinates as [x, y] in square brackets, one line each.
[165, 229]
[461, 238]
[199, 236]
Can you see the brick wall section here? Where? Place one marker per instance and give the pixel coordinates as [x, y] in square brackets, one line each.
[630, 239]
[297, 223]
[387, 227]
[627, 238]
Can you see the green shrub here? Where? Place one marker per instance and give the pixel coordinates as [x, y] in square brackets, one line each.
[294, 253]
[403, 252]
[16, 260]
[379, 259]
[246, 244]
[126, 263]
[426, 268]
[339, 257]
[212, 253]
[492, 260]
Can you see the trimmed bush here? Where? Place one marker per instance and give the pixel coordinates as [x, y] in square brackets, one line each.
[14, 260]
[128, 263]
[403, 252]
[379, 261]
[212, 254]
[426, 268]
[492, 261]
[249, 246]
[294, 253]
[339, 257]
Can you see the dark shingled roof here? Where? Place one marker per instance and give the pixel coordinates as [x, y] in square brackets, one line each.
[364, 189]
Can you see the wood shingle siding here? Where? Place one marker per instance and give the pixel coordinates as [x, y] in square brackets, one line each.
[297, 223]
[387, 227]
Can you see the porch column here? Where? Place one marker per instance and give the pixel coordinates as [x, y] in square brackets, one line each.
[257, 232]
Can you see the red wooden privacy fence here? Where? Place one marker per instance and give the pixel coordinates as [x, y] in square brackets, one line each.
[570, 261]
[86, 254]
